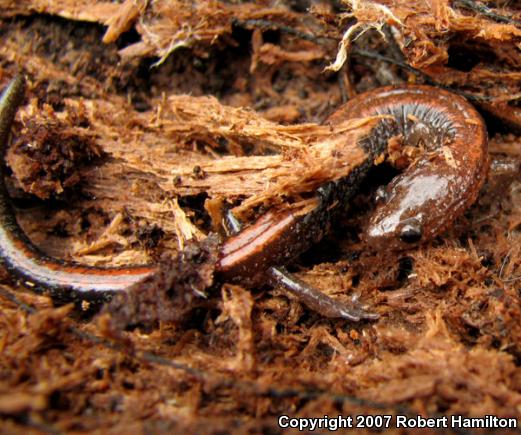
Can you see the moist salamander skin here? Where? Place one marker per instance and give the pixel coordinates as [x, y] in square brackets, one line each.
[441, 183]
[65, 281]
[418, 204]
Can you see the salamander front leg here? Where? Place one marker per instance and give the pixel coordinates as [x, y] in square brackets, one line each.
[308, 295]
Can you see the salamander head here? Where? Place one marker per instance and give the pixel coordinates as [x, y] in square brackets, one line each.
[418, 206]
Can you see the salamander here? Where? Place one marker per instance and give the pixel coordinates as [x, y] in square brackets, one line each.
[417, 205]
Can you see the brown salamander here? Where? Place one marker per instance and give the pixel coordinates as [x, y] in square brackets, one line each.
[417, 205]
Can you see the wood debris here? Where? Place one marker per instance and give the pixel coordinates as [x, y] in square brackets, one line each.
[144, 120]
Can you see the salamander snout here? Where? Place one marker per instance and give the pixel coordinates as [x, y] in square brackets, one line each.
[418, 205]
[391, 233]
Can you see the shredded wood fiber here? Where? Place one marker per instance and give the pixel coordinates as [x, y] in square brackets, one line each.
[144, 119]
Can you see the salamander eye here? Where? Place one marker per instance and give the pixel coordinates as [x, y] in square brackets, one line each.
[411, 232]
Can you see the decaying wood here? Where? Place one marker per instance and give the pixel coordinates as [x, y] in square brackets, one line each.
[145, 119]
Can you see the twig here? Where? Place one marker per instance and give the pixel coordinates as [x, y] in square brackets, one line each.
[425, 77]
[487, 12]
[267, 24]
[271, 25]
